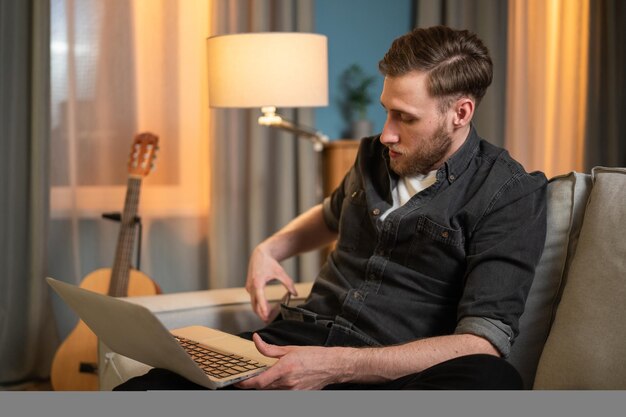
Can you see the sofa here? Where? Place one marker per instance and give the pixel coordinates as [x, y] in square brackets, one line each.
[572, 332]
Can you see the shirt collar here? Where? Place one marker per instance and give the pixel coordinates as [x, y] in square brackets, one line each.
[459, 161]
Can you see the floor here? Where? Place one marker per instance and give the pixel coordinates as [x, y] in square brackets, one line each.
[43, 385]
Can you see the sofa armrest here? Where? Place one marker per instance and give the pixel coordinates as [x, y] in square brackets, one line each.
[226, 309]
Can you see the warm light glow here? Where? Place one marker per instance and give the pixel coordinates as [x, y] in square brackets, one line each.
[171, 101]
[547, 84]
[268, 69]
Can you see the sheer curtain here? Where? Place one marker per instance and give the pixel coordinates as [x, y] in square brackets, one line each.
[547, 84]
[27, 333]
[261, 178]
[119, 67]
[567, 91]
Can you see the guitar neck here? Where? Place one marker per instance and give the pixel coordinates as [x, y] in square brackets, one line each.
[118, 286]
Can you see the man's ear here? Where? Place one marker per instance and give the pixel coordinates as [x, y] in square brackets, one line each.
[463, 112]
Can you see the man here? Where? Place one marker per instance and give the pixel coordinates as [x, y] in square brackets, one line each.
[438, 232]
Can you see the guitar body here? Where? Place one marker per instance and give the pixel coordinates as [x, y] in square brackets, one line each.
[81, 345]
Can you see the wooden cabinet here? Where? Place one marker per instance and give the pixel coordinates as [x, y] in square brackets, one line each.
[338, 158]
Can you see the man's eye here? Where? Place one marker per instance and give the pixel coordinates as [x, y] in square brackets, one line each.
[407, 119]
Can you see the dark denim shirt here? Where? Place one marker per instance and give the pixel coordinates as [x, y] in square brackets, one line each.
[458, 257]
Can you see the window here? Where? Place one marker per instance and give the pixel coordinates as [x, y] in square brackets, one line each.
[119, 68]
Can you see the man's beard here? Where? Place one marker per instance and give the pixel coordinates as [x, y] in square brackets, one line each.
[424, 158]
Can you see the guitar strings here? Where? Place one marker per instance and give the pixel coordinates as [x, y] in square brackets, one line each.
[118, 287]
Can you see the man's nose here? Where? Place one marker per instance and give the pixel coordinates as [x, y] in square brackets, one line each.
[389, 134]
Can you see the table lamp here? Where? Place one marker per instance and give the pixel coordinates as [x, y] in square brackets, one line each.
[270, 70]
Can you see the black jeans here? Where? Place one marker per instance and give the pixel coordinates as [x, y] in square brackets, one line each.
[472, 372]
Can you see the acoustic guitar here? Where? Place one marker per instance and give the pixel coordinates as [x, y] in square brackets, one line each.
[75, 364]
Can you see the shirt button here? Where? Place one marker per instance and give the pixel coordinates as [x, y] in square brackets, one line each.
[376, 212]
[357, 295]
[444, 234]
[353, 194]
[451, 177]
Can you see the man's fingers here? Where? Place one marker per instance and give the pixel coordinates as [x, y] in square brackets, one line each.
[292, 289]
[261, 381]
[261, 345]
[260, 303]
[274, 312]
[288, 283]
[265, 379]
[266, 349]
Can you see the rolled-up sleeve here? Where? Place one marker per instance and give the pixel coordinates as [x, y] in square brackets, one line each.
[495, 331]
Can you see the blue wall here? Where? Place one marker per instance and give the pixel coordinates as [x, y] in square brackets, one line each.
[358, 31]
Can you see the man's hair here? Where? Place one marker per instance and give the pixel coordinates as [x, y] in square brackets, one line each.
[457, 62]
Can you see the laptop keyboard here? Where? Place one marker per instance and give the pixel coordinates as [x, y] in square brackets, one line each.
[216, 364]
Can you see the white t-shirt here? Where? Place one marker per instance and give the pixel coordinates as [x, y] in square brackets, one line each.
[407, 187]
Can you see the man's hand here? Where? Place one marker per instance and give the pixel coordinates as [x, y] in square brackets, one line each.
[306, 232]
[298, 367]
[262, 269]
[313, 367]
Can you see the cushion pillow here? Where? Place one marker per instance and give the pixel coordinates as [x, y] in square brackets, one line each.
[567, 198]
[586, 345]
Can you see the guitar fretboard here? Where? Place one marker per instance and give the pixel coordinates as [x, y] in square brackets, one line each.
[118, 287]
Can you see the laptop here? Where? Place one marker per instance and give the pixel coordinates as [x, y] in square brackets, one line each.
[133, 331]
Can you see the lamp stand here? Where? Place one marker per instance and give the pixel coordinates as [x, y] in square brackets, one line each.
[272, 119]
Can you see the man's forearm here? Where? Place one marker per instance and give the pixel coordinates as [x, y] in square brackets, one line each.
[377, 365]
[306, 232]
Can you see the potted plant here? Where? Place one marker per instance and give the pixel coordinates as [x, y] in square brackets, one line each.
[355, 87]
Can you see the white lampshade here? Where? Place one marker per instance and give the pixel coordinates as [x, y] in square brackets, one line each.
[278, 69]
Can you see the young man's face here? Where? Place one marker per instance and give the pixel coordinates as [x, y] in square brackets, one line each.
[416, 132]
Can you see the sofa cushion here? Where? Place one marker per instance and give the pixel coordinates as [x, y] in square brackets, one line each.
[567, 197]
[586, 345]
